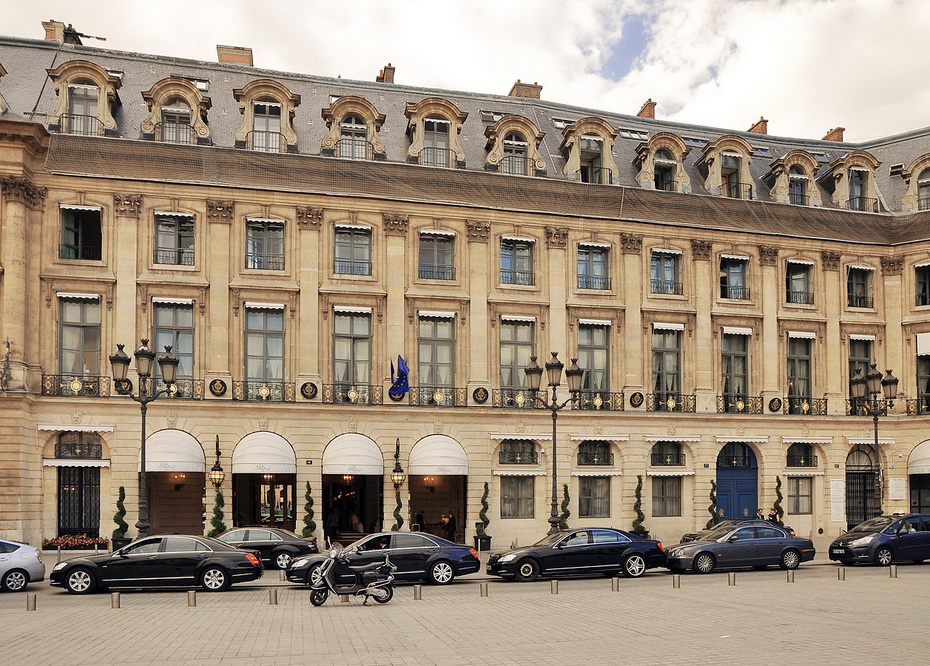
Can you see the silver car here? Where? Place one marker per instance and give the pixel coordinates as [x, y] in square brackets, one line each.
[19, 565]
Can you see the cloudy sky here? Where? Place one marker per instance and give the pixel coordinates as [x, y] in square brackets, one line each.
[805, 65]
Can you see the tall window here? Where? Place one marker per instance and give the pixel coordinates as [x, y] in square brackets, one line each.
[517, 344]
[174, 326]
[799, 495]
[594, 357]
[81, 237]
[729, 173]
[857, 181]
[860, 357]
[666, 364]
[436, 257]
[800, 454]
[595, 452]
[352, 349]
[592, 169]
[353, 251]
[518, 452]
[798, 283]
[436, 150]
[733, 278]
[517, 496]
[923, 190]
[735, 369]
[923, 384]
[79, 337]
[516, 261]
[594, 497]
[593, 267]
[266, 127]
[666, 496]
[353, 139]
[666, 454]
[83, 114]
[663, 272]
[922, 284]
[436, 338]
[514, 161]
[176, 122]
[799, 370]
[664, 167]
[174, 239]
[264, 345]
[797, 186]
[78, 485]
[264, 244]
[857, 288]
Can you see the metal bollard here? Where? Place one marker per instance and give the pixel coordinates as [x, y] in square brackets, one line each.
[789, 576]
[553, 587]
[731, 578]
[614, 584]
[114, 600]
[893, 571]
[841, 573]
[191, 598]
[417, 592]
[483, 589]
[344, 598]
[273, 596]
[281, 574]
[31, 601]
[59, 554]
[676, 581]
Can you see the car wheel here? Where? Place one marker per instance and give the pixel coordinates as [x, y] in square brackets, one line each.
[319, 597]
[790, 559]
[14, 580]
[634, 566]
[313, 575]
[283, 560]
[704, 563]
[388, 594]
[527, 571]
[441, 573]
[81, 581]
[884, 556]
[214, 579]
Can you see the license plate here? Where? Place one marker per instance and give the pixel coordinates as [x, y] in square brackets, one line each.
[837, 551]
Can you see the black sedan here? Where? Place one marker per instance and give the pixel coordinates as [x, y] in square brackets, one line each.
[604, 551]
[756, 546]
[731, 523]
[417, 556]
[170, 560]
[275, 547]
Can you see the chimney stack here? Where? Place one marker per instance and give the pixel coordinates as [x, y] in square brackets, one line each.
[386, 75]
[55, 31]
[234, 55]
[648, 110]
[761, 127]
[835, 134]
[530, 90]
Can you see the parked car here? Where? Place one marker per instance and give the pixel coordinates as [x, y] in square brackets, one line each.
[731, 522]
[274, 546]
[601, 550]
[20, 564]
[884, 540]
[756, 546]
[170, 560]
[418, 556]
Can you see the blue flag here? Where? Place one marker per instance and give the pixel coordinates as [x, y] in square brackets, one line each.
[399, 385]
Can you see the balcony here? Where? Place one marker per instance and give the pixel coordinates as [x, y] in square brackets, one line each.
[666, 184]
[735, 293]
[739, 404]
[670, 402]
[799, 297]
[860, 407]
[596, 175]
[266, 142]
[857, 301]
[801, 461]
[667, 459]
[799, 199]
[437, 157]
[593, 282]
[171, 257]
[354, 149]
[259, 391]
[665, 287]
[513, 398]
[80, 252]
[518, 458]
[266, 262]
[804, 406]
[919, 406]
[349, 267]
[349, 394]
[734, 462]
[74, 123]
[863, 204]
[83, 386]
[737, 190]
[438, 396]
[600, 401]
[517, 277]
[436, 272]
[515, 165]
[601, 459]
[923, 203]
[180, 133]
[190, 389]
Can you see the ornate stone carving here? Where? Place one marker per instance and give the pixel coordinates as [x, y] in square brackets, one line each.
[831, 260]
[701, 249]
[395, 225]
[263, 423]
[128, 205]
[21, 190]
[438, 426]
[352, 425]
[478, 231]
[220, 211]
[172, 420]
[892, 265]
[557, 236]
[632, 243]
[768, 255]
[309, 217]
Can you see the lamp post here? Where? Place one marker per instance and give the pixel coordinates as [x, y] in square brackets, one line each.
[216, 474]
[119, 364]
[554, 374]
[397, 478]
[874, 384]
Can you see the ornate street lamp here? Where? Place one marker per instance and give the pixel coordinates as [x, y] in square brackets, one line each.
[397, 478]
[119, 366]
[554, 374]
[216, 474]
[875, 385]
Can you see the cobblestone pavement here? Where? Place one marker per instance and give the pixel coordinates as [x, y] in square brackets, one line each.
[763, 619]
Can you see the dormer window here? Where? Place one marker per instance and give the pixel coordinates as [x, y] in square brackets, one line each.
[434, 126]
[661, 163]
[589, 143]
[851, 179]
[266, 128]
[267, 109]
[436, 151]
[797, 186]
[177, 112]
[514, 161]
[664, 167]
[592, 168]
[857, 189]
[82, 111]
[789, 179]
[513, 147]
[923, 190]
[87, 99]
[353, 139]
[353, 124]
[175, 122]
[725, 165]
[730, 168]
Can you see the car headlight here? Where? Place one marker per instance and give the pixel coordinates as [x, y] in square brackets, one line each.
[59, 566]
[675, 552]
[299, 564]
[507, 558]
[862, 541]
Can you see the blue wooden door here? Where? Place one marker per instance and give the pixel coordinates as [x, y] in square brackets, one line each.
[737, 482]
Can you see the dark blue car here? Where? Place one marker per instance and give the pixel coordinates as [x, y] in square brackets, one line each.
[884, 540]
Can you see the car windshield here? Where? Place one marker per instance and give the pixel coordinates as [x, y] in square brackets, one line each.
[874, 525]
[717, 533]
[550, 539]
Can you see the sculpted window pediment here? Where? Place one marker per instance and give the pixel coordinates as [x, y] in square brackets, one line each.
[166, 93]
[345, 107]
[661, 161]
[85, 75]
[516, 126]
[580, 140]
[438, 109]
[917, 175]
[792, 179]
[266, 90]
[726, 163]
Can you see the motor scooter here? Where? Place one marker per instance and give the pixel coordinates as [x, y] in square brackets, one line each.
[374, 581]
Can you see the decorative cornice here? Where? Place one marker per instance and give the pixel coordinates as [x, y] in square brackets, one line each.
[309, 217]
[892, 265]
[557, 236]
[478, 231]
[395, 225]
[831, 260]
[21, 190]
[701, 249]
[127, 205]
[768, 255]
[220, 211]
[632, 243]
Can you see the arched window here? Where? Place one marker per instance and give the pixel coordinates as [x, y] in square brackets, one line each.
[266, 127]
[436, 143]
[801, 454]
[353, 139]
[82, 117]
[923, 190]
[797, 186]
[518, 452]
[735, 454]
[514, 161]
[175, 126]
[78, 485]
[667, 454]
[664, 166]
[860, 459]
[595, 452]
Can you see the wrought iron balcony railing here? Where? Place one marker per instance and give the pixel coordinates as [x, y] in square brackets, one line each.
[259, 391]
[593, 282]
[923, 203]
[800, 461]
[517, 277]
[514, 398]
[170, 257]
[262, 261]
[739, 404]
[738, 190]
[190, 389]
[518, 458]
[667, 459]
[591, 458]
[804, 406]
[76, 123]
[81, 252]
[438, 396]
[352, 394]
[354, 149]
[600, 401]
[670, 402]
[861, 406]
[84, 386]
[799, 199]
[857, 301]
[266, 142]
[348, 267]
[515, 165]
[436, 272]
[919, 406]
[735, 293]
[437, 157]
[665, 287]
[864, 204]
[799, 297]
[596, 175]
[181, 133]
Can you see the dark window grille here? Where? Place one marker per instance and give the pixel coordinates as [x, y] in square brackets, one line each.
[666, 287]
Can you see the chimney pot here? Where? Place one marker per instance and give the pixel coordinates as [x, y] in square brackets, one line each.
[760, 127]
[648, 110]
[386, 75]
[835, 134]
[234, 55]
[529, 90]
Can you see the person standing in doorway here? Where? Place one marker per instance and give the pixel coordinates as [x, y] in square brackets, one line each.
[760, 515]
[450, 526]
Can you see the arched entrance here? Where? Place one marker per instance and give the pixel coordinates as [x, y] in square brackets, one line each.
[438, 479]
[174, 463]
[918, 472]
[863, 485]
[737, 481]
[264, 469]
[353, 487]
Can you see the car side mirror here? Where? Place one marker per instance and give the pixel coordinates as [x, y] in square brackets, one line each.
[560, 545]
[121, 552]
[733, 538]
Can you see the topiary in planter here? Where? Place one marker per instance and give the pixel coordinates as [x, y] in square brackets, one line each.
[121, 525]
[482, 526]
[712, 509]
[638, 528]
[564, 516]
[778, 498]
[398, 519]
[217, 520]
[309, 523]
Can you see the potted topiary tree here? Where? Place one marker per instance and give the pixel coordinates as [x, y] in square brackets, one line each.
[712, 509]
[566, 514]
[309, 524]
[217, 520]
[638, 528]
[779, 511]
[119, 534]
[482, 538]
